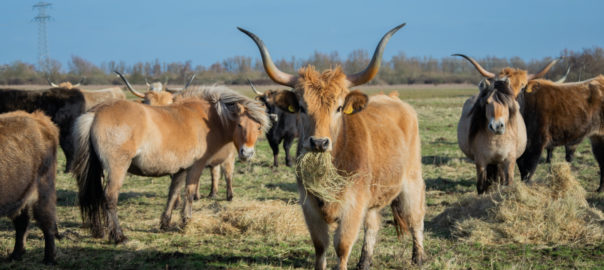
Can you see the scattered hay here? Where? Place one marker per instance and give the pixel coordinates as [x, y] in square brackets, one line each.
[266, 218]
[551, 211]
[320, 177]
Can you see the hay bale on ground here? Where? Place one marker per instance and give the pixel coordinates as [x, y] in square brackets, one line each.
[272, 218]
[550, 211]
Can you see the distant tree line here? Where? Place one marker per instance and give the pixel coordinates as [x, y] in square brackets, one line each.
[400, 69]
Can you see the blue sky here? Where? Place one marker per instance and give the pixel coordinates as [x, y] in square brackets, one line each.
[205, 31]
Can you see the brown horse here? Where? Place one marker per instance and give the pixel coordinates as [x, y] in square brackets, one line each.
[370, 146]
[177, 140]
[224, 159]
[28, 143]
[491, 132]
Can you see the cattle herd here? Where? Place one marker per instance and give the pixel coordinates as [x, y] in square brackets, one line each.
[372, 142]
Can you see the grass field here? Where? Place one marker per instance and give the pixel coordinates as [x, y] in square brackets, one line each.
[263, 227]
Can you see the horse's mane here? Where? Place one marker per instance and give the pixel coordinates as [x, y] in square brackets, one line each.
[502, 94]
[225, 100]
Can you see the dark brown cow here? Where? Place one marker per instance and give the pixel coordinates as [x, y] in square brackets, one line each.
[28, 143]
[372, 144]
[562, 114]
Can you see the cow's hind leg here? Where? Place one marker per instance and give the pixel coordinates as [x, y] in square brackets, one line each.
[570, 152]
[178, 181]
[21, 222]
[275, 147]
[550, 150]
[318, 229]
[527, 163]
[372, 226]
[408, 210]
[597, 146]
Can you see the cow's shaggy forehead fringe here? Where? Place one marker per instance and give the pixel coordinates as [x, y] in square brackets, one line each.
[321, 90]
[225, 98]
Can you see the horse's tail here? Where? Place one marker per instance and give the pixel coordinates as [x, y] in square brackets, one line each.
[88, 172]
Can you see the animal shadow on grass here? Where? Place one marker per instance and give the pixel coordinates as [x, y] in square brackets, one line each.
[290, 187]
[151, 259]
[435, 160]
[130, 196]
[447, 185]
[66, 197]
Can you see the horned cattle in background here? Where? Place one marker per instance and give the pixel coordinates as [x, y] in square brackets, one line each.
[63, 106]
[491, 132]
[518, 77]
[284, 125]
[155, 96]
[367, 147]
[28, 143]
[562, 114]
[177, 140]
[94, 97]
[224, 161]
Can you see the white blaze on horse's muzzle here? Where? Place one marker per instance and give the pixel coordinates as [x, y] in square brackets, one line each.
[246, 153]
[497, 126]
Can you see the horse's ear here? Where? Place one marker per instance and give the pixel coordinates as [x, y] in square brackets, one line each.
[355, 102]
[287, 101]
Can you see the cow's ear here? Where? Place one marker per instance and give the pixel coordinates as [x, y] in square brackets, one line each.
[287, 101]
[532, 86]
[355, 102]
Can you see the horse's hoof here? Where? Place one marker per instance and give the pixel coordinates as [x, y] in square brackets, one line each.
[212, 195]
[229, 198]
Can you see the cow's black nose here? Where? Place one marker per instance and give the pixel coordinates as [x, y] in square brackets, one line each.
[319, 144]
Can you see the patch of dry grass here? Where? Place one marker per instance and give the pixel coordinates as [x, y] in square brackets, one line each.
[273, 218]
[551, 211]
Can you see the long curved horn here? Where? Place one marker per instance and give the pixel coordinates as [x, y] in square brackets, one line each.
[190, 81]
[79, 83]
[254, 88]
[136, 93]
[272, 71]
[373, 67]
[51, 83]
[478, 67]
[563, 79]
[544, 70]
[147, 82]
[174, 90]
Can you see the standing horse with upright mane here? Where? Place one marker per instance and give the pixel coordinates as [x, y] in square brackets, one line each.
[491, 132]
[176, 140]
[356, 155]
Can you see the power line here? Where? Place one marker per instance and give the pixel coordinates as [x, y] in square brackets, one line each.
[42, 18]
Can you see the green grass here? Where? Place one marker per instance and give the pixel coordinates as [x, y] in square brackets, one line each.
[447, 173]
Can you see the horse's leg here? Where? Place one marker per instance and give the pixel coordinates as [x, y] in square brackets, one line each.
[287, 144]
[348, 231]
[115, 179]
[176, 185]
[318, 229]
[597, 146]
[408, 209]
[193, 174]
[481, 178]
[45, 214]
[372, 226]
[20, 222]
[229, 168]
[197, 195]
[215, 172]
[570, 151]
[508, 174]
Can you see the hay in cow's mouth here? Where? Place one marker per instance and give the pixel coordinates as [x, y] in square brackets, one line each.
[320, 177]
